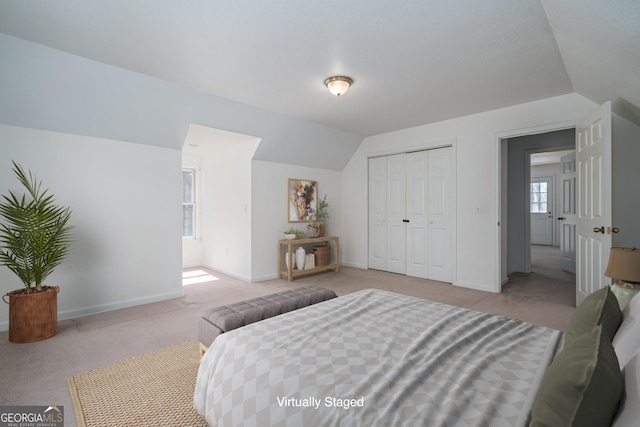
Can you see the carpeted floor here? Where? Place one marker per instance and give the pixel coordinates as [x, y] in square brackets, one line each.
[36, 373]
[155, 389]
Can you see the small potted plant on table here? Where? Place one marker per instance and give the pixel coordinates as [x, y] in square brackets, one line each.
[322, 213]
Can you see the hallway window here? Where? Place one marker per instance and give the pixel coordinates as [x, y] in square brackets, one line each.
[538, 197]
[189, 203]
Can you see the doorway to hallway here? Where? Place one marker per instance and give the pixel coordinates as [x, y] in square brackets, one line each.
[546, 266]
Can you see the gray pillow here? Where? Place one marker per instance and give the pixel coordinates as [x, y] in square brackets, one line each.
[582, 386]
[599, 308]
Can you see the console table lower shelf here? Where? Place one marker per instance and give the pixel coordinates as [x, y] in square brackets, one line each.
[288, 246]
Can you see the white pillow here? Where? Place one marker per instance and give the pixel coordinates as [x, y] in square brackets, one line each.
[629, 409]
[627, 340]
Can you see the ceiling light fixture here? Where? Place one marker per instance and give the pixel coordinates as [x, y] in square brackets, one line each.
[338, 85]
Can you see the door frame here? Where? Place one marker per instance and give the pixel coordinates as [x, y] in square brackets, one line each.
[501, 139]
[409, 149]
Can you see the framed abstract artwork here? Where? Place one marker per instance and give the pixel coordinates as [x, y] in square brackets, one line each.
[301, 199]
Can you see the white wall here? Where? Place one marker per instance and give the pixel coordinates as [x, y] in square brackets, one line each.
[626, 182]
[477, 157]
[270, 209]
[125, 201]
[122, 116]
[244, 211]
[226, 198]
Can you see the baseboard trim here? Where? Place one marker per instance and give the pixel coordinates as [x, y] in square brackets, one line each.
[70, 314]
[354, 265]
[102, 308]
[475, 286]
[231, 274]
[264, 278]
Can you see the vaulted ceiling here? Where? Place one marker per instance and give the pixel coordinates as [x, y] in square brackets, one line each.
[413, 61]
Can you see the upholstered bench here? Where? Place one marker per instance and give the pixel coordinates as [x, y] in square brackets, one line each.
[218, 320]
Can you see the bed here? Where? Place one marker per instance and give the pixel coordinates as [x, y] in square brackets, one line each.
[378, 358]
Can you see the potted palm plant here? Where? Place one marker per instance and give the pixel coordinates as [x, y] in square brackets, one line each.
[34, 240]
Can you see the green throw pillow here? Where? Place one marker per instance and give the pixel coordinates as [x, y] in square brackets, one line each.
[599, 308]
[582, 386]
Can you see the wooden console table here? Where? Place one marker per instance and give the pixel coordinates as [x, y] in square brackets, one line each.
[288, 245]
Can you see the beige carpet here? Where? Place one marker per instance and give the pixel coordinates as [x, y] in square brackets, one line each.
[155, 389]
[544, 297]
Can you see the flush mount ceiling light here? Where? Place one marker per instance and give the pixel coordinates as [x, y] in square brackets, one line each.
[338, 85]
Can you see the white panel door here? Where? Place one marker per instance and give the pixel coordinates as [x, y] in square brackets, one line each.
[411, 214]
[541, 210]
[440, 215]
[568, 216]
[593, 153]
[396, 204]
[417, 232]
[378, 213]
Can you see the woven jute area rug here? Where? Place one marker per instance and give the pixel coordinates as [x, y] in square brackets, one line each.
[155, 389]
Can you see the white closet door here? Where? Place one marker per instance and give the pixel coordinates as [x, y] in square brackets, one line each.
[396, 204]
[411, 214]
[417, 227]
[440, 214]
[378, 213]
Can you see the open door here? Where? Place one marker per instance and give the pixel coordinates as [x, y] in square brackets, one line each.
[593, 153]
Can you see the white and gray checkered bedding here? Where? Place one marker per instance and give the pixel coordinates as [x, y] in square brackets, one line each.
[375, 358]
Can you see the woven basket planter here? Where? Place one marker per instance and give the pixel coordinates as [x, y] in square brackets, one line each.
[34, 316]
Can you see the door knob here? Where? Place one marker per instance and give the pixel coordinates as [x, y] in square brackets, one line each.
[561, 218]
[612, 230]
[599, 230]
[405, 220]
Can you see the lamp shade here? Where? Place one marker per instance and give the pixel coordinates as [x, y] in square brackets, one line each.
[624, 264]
[338, 85]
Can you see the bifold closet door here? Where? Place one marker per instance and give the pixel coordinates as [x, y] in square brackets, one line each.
[410, 214]
[417, 230]
[429, 214]
[378, 213]
[387, 198]
[441, 215]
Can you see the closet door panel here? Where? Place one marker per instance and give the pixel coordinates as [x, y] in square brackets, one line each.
[396, 207]
[416, 228]
[378, 213]
[440, 207]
